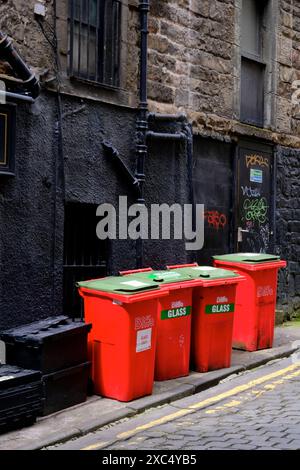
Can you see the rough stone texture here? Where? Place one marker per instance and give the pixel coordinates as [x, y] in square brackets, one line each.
[289, 66]
[193, 66]
[288, 228]
[17, 20]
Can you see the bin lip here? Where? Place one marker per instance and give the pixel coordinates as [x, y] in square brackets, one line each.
[247, 258]
[223, 281]
[135, 283]
[125, 298]
[161, 278]
[123, 285]
[206, 273]
[262, 266]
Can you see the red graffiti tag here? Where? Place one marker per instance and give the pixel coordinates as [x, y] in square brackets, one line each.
[215, 219]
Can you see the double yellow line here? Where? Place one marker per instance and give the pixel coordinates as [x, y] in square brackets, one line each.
[287, 373]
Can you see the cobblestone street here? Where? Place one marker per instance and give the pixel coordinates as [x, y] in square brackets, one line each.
[257, 410]
[269, 419]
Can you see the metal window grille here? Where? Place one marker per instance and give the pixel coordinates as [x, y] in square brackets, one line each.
[85, 256]
[95, 36]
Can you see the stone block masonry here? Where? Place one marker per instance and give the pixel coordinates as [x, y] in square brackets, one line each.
[288, 229]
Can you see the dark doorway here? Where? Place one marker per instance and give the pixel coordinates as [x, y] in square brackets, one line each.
[85, 256]
[212, 182]
[254, 231]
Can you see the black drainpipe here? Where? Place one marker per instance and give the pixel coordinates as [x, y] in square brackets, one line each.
[185, 135]
[29, 82]
[142, 121]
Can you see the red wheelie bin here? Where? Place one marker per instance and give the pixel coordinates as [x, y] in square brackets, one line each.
[172, 358]
[212, 318]
[122, 342]
[254, 321]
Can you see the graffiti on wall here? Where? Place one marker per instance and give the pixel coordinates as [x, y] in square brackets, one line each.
[257, 160]
[215, 219]
[256, 210]
[248, 191]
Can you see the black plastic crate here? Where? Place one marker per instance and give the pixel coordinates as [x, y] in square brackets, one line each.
[47, 345]
[21, 397]
[65, 388]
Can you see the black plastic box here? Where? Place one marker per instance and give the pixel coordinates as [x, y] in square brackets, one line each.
[21, 397]
[65, 388]
[48, 345]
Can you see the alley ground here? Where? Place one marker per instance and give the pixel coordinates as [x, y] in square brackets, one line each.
[255, 410]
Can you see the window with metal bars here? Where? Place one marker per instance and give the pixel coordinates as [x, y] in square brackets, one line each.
[95, 37]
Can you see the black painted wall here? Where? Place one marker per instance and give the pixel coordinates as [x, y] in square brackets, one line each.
[213, 187]
[166, 183]
[288, 228]
[32, 203]
[32, 219]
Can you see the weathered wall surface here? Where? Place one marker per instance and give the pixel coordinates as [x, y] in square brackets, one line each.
[193, 58]
[288, 228]
[17, 20]
[194, 54]
[31, 263]
[32, 202]
[288, 114]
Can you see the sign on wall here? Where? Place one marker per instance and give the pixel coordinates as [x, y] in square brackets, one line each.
[7, 139]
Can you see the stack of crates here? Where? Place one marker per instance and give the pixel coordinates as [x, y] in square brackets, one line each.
[57, 348]
[21, 397]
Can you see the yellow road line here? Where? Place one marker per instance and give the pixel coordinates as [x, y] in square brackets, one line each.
[244, 387]
[268, 387]
[96, 446]
[204, 403]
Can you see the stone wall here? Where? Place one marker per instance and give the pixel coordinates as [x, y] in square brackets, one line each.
[194, 65]
[17, 20]
[288, 229]
[191, 54]
[288, 114]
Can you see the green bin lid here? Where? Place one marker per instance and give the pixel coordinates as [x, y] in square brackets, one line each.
[207, 272]
[119, 285]
[247, 258]
[159, 277]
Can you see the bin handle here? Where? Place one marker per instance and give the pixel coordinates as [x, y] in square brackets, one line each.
[177, 266]
[133, 271]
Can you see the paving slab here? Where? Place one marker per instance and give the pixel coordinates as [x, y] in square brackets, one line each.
[66, 424]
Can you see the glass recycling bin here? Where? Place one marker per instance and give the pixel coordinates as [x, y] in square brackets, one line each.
[254, 321]
[172, 358]
[214, 307]
[122, 342]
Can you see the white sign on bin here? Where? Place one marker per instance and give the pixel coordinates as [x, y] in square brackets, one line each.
[143, 340]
